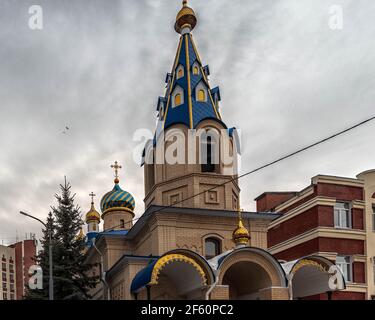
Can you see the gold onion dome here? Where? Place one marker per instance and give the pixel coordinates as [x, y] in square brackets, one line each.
[186, 18]
[241, 235]
[92, 215]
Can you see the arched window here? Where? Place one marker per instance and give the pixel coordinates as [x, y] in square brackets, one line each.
[212, 248]
[180, 72]
[208, 155]
[122, 224]
[177, 99]
[201, 95]
[195, 70]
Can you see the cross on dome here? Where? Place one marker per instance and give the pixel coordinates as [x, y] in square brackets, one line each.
[116, 167]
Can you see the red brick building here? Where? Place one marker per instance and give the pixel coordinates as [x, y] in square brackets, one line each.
[16, 260]
[327, 219]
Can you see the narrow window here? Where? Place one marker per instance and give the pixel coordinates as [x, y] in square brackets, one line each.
[94, 227]
[344, 263]
[373, 217]
[212, 248]
[208, 163]
[180, 73]
[342, 215]
[122, 224]
[177, 99]
[201, 95]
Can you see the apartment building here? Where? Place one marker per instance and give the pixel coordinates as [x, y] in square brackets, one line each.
[333, 217]
[16, 260]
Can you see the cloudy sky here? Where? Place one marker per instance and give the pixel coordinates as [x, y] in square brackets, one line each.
[287, 79]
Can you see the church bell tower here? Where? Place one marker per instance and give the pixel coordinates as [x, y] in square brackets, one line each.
[193, 151]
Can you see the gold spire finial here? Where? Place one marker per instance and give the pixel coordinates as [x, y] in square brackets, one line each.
[186, 19]
[241, 235]
[117, 167]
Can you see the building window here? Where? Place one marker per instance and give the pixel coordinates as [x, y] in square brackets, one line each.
[212, 248]
[11, 268]
[122, 224]
[11, 277]
[373, 268]
[209, 155]
[373, 217]
[201, 95]
[4, 277]
[180, 72]
[12, 287]
[94, 227]
[11, 296]
[342, 214]
[4, 266]
[345, 265]
[177, 99]
[201, 92]
[5, 296]
[4, 286]
[195, 70]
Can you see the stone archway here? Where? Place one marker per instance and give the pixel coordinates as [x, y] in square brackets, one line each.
[252, 274]
[176, 277]
[245, 280]
[179, 274]
[312, 276]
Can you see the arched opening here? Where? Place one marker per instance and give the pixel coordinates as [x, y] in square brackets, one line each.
[246, 280]
[122, 223]
[176, 277]
[180, 72]
[195, 70]
[209, 152]
[313, 276]
[202, 95]
[212, 248]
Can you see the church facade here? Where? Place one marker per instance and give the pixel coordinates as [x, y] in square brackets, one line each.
[193, 241]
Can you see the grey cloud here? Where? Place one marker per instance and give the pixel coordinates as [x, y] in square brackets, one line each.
[99, 66]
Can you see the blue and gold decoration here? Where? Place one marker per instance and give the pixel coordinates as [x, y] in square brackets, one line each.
[117, 199]
[189, 98]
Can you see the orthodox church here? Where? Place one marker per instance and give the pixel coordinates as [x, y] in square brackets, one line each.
[193, 241]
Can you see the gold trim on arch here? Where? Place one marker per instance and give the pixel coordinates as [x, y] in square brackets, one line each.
[163, 261]
[307, 263]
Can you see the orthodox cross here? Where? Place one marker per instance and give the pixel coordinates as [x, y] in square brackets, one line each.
[117, 167]
[92, 195]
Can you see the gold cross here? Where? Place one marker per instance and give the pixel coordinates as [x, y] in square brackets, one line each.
[92, 195]
[117, 167]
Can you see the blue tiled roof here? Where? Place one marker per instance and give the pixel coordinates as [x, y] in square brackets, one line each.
[200, 110]
[96, 235]
[143, 277]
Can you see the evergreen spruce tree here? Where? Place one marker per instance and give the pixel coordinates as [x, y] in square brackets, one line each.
[70, 274]
[71, 279]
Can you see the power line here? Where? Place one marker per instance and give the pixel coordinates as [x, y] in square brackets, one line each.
[259, 168]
